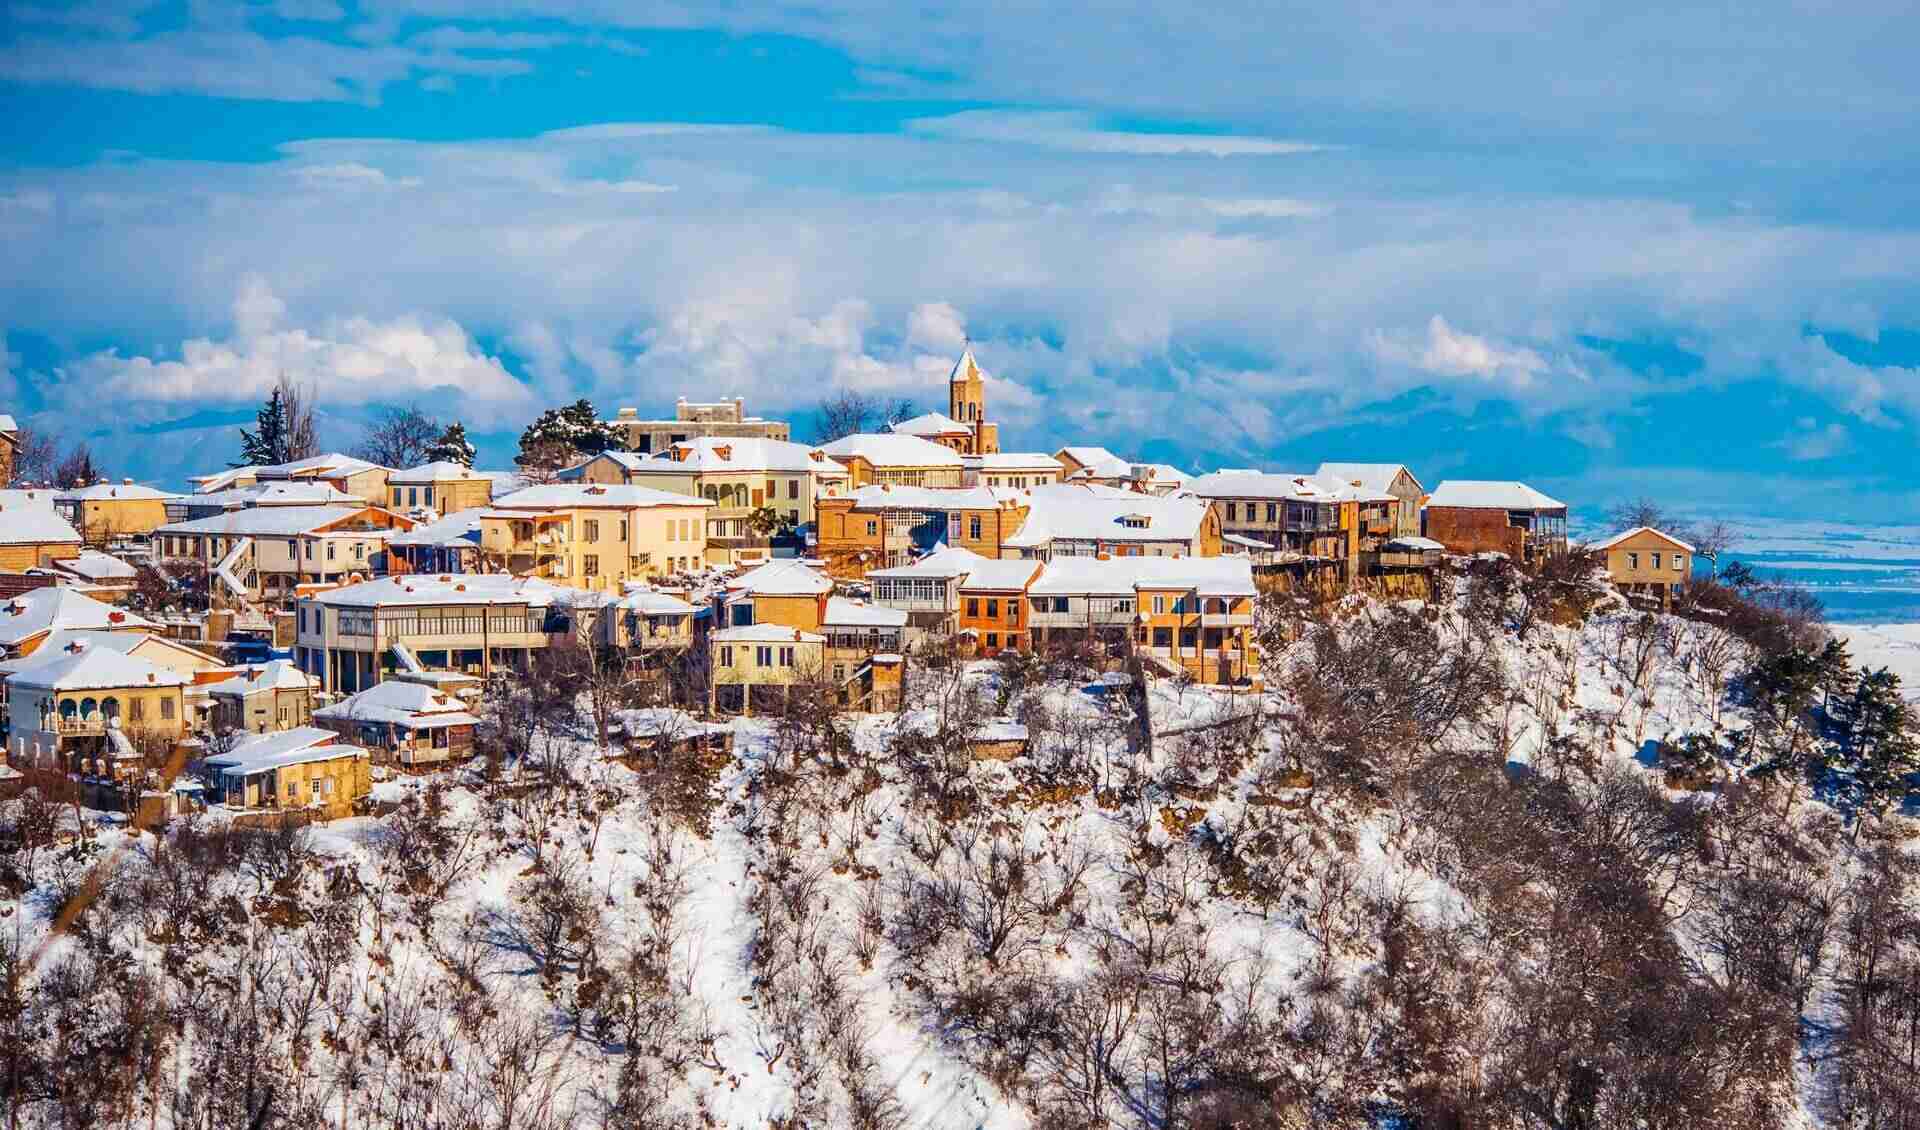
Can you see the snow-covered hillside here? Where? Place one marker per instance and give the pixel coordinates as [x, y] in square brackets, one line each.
[1436, 871]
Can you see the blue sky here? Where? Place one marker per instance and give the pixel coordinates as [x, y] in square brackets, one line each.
[1608, 252]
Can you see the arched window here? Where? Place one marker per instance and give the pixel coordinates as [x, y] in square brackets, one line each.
[88, 708]
[68, 709]
[110, 707]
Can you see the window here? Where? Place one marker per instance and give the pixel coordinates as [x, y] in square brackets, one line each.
[396, 496]
[309, 551]
[1062, 603]
[1231, 515]
[993, 641]
[329, 551]
[1655, 559]
[1633, 561]
[786, 657]
[793, 488]
[293, 548]
[591, 529]
[1013, 612]
[359, 551]
[973, 527]
[426, 495]
[166, 709]
[726, 657]
[973, 606]
[313, 787]
[623, 529]
[763, 656]
[993, 610]
[413, 496]
[590, 564]
[137, 709]
[1159, 605]
[1679, 566]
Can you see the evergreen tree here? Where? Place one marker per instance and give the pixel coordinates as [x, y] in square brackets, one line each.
[562, 437]
[452, 446]
[1833, 671]
[266, 444]
[1883, 750]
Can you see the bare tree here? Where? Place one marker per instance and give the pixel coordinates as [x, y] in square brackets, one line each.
[298, 403]
[849, 412]
[37, 456]
[399, 438]
[1640, 511]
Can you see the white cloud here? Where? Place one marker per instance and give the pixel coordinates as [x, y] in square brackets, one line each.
[937, 326]
[349, 361]
[1448, 352]
[1815, 443]
[1078, 133]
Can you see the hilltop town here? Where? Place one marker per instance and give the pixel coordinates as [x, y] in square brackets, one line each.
[683, 773]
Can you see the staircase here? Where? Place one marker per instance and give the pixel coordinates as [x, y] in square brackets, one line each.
[408, 660]
[237, 573]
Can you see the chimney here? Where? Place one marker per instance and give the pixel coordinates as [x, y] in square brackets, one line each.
[128, 481]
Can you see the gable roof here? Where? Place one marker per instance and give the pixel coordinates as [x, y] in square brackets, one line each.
[447, 588]
[1081, 512]
[726, 453]
[780, 578]
[275, 674]
[96, 567]
[31, 522]
[890, 449]
[436, 472]
[1207, 576]
[1488, 494]
[930, 424]
[57, 606]
[1609, 543]
[398, 701]
[1373, 476]
[257, 753]
[1097, 460]
[944, 562]
[80, 666]
[844, 613]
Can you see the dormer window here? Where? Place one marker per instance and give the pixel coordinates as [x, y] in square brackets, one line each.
[1136, 521]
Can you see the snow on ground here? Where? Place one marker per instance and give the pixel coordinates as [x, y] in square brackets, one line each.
[1893, 646]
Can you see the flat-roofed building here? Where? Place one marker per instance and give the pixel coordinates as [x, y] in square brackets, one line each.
[694, 420]
[897, 460]
[1186, 614]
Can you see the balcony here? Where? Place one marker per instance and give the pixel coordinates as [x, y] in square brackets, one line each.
[1226, 619]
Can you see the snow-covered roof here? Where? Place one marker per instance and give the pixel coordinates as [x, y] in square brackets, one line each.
[269, 521]
[1616, 539]
[1013, 461]
[80, 666]
[7, 424]
[32, 522]
[128, 491]
[765, 633]
[274, 494]
[554, 496]
[999, 575]
[727, 453]
[1479, 494]
[887, 496]
[651, 602]
[276, 675]
[1099, 461]
[97, 566]
[449, 588]
[945, 561]
[1421, 545]
[301, 745]
[462, 527]
[930, 424]
[1373, 476]
[1246, 542]
[1237, 483]
[318, 466]
[1082, 512]
[999, 730]
[654, 721]
[966, 367]
[1158, 473]
[413, 705]
[891, 449]
[437, 472]
[845, 613]
[1207, 576]
[56, 606]
[781, 577]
